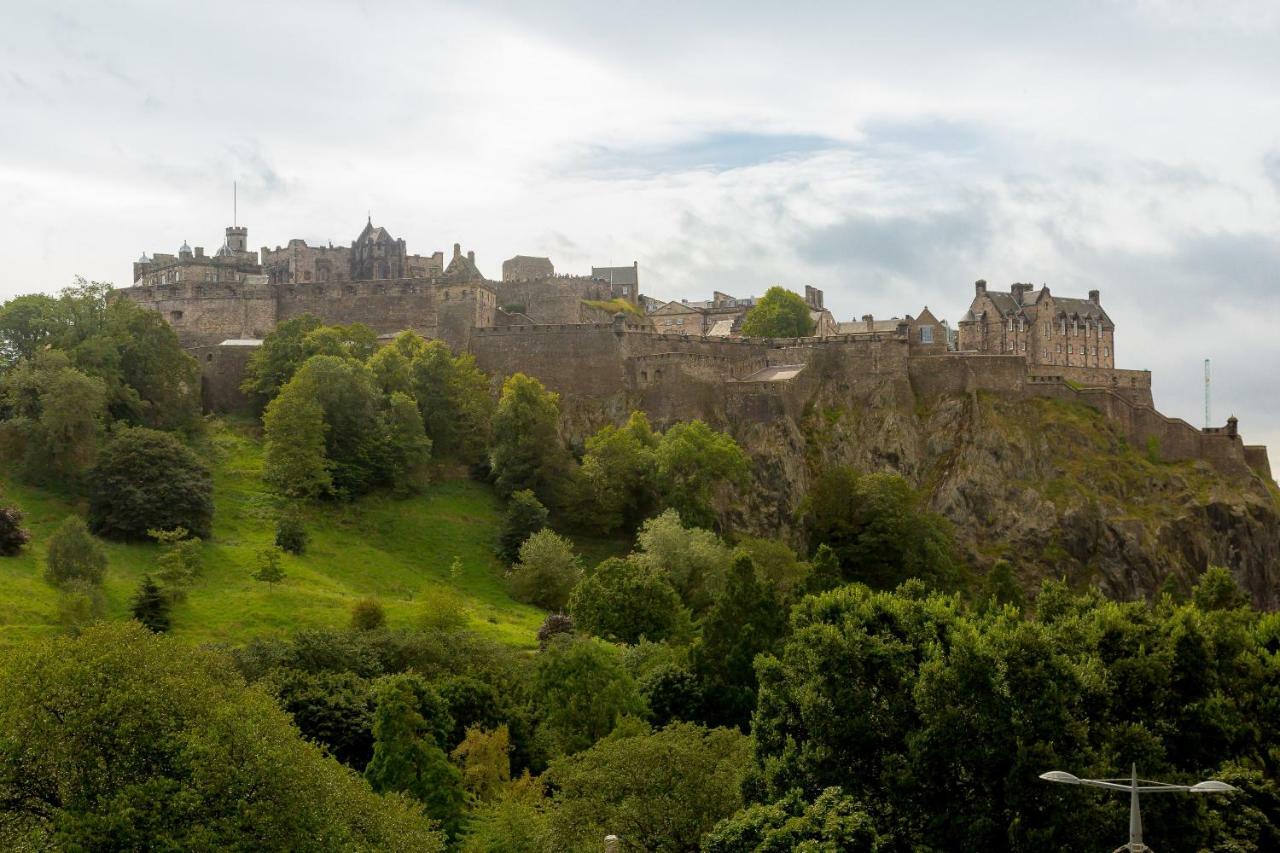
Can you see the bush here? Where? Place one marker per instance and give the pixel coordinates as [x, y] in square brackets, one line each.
[525, 516]
[268, 568]
[13, 536]
[367, 615]
[624, 600]
[291, 533]
[179, 561]
[546, 572]
[151, 606]
[148, 480]
[79, 606]
[74, 555]
[555, 625]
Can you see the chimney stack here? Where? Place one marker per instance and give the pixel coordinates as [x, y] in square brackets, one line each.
[1095, 297]
[870, 321]
[980, 286]
[457, 251]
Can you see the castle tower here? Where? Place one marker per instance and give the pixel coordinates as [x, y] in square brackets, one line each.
[238, 238]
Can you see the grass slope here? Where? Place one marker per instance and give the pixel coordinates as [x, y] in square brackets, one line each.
[398, 550]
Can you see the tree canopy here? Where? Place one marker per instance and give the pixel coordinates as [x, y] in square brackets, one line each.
[780, 313]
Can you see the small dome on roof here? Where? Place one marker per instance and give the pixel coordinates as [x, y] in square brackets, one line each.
[185, 250]
[225, 251]
[144, 259]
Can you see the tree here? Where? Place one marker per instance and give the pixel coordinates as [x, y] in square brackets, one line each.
[524, 517]
[80, 604]
[546, 571]
[527, 452]
[746, 620]
[150, 606]
[514, 822]
[1218, 590]
[825, 573]
[74, 555]
[26, 323]
[694, 560]
[53, 418]
[879, 532]
[367, 615]
[120, 739]
[580, 689]
[485, 760]
[268, 568]
[148, 480]
[673, 694]
[408, 448]
[555, 625]
[407, 756]
[1000, 586]
[179, 561]
[619, 475]
[294, 432]
[332, 708]
[696, 464]
[454, 397]
[660, 791]
[291, 532]
[834, 821]
[13, 536]
[625, 600]
[780, 313]
[281, 354]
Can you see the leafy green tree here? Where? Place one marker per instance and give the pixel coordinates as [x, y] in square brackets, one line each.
[291, 532]
[13, 536]
[470, 703]
[282, 352]
[355, 341]
[780, 313]
[696, 464]
[408, 448]
[150, 606]
[625, 600]
[53, 418]
[524, 517]
[334, 709]
[367, 615]
[546, 571]
[778, 564]
[1000, 586]
[1218, 590]
[74, 555]
[834, 821]
[527, 452]
[694, 560]
[180, 560]
[407, 757]
[875, 525]
[27, 323]
[296, 465]
[746, 620]
[148, 480]
[659, 791]
[580, 689]
[825, 573]
[80, 604]
[515, 821]
[268, 568]
[392, 365]
[120, 739]
[485, 759]
[454, 397]
[619, 475]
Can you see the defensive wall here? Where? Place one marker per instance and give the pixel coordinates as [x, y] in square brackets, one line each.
[623, 364]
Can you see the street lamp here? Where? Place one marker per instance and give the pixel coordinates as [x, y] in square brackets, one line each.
[1134, 786]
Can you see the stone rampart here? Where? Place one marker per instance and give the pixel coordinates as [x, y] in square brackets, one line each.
[205, 313]
[222, 369]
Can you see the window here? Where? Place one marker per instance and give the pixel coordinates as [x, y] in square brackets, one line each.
[1024, 346]
[1106, 351]
[1010, 346]
[1044, 354]
[1048, 330]
[175, 315]
[1070, 350]
[926, 334]
[680, 321]
[1010, 324]
[1057, 348]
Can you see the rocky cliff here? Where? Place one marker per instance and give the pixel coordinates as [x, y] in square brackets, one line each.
[1050, 485]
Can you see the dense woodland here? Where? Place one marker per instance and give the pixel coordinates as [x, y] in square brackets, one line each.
[859, 688]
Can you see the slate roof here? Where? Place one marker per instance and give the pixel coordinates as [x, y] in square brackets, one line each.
[615, 275]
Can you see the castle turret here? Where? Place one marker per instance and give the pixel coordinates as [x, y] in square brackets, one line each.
[238, 238]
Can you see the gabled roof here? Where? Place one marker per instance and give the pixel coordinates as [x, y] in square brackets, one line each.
[615, 275]
[374, 234]
[463, 268]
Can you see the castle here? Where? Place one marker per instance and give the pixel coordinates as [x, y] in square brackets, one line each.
[673, 359]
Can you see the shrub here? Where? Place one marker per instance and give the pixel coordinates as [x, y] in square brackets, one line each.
[367, 615]
[291, 533]
[148, 480]
[74, 555]
[624, 600]
[268, 568]
[79, 606]
[555, 625]
[179, 561]
[546, 572]
[13, 536]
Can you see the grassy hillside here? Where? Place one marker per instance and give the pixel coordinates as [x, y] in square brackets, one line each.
[398, 550]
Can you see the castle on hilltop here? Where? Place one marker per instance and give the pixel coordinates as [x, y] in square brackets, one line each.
[600, 343]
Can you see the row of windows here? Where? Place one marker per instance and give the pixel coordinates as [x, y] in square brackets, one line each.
[1020, 325]
[1085, 350]
[673, 321]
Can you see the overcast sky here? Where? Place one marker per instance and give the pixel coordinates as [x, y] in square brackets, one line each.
[889, 154]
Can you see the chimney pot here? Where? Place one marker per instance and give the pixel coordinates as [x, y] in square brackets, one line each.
[980, 286]
[1095, 297]
[457, 250]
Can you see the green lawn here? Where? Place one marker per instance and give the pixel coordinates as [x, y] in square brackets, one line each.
[398, 550]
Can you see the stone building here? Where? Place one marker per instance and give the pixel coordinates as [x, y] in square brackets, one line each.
[373, 255]
[722, 315]
[1043, 328]
[525, 267]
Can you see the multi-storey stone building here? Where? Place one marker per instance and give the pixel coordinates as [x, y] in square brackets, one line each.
[1043, 328]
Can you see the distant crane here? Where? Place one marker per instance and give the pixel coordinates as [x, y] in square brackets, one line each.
[1206, 394]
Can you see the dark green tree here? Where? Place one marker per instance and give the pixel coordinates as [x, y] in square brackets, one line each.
[296, 465]
[454, 397]
[291, 532]
[524, 517]
[407, 756]
[281, 354]
[267, 567]
[74, 555]
[151, 606]
[367, 615]
[147, 480]
[625, 600]
[834, 821]
[580, 690]
[26, 323]
[619, 475]
[780, 313]
[13, 536]
[546, 571]
[673, 694]
[746, 619]
[1218, 590]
